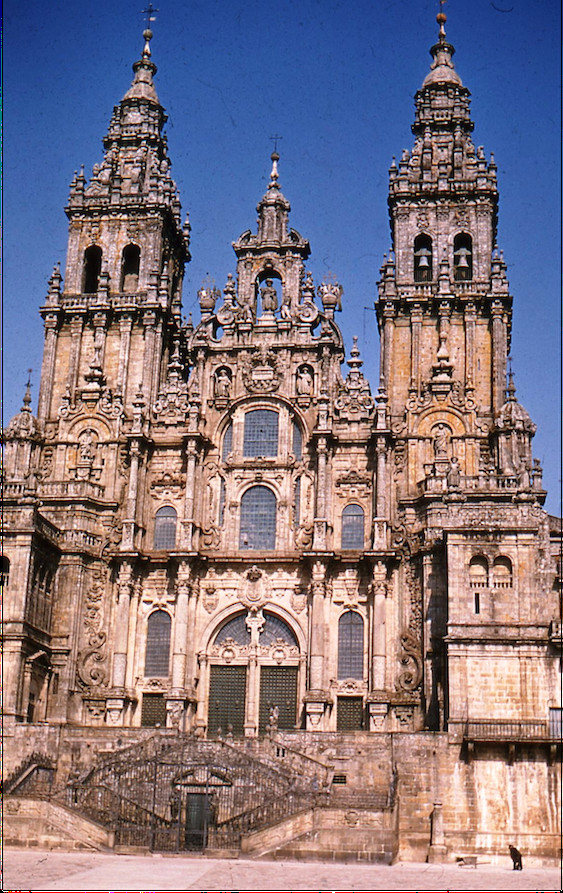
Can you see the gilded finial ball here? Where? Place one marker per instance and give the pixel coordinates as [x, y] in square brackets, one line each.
[441, 18]
[147, 34]
[274, 156]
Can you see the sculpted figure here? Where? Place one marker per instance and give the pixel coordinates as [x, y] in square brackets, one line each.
[222, 383]
[441, 441]
[304, 383]
[454, 476]
[269, 296]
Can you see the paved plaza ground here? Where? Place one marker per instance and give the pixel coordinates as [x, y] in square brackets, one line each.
[44, 870]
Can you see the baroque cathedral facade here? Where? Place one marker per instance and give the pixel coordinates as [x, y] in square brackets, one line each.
[214, 530]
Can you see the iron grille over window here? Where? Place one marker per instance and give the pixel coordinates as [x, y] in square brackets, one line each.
[258, 519]
[297, 502]
[261, 433]
[157, 655]
[353, 527]
[350, 646]
[153, 711]
[349, 714]
[555, 722]
[165, 528]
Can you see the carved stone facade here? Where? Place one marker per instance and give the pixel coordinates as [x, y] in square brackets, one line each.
[209, 527]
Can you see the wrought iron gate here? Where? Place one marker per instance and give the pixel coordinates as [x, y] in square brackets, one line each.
[185, 794]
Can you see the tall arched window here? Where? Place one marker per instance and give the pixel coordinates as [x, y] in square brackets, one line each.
[165, 528]
[258, 519]
[463, 257]
[130, 262]
[297, 444]
[297, 502]
[91, 270]
[502, 573]
[352, 527]
[478, 572]
[350, 646]
[227, 442]
[423, 259]
[260, 433]
[157, 653]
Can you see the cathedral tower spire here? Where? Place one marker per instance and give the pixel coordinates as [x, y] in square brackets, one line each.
[444, 309]
[125, 259]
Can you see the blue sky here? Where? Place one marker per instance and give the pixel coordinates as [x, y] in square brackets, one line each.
[336, 78]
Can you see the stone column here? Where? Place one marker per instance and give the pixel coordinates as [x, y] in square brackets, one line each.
[188, 520]
[380, 505]
[76, 324]
[124, 590]
[470, 318]
[416, 326]
[181, 629]
[125, 326]
[317, 628]
[498, 356]
[128, 537]
[387, 345]
[320, 523]
[379, 590]
[201, 718]
[48, 367]
[149, 320]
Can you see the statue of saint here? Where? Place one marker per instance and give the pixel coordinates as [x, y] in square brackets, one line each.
[222, 383]
[304, 383]
[269, 297]
[441, 441]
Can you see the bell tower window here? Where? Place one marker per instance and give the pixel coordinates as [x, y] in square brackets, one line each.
[463, 258]
[157, 654]
[130, 262]
[92, 269]
[165, 528]
[423, 259]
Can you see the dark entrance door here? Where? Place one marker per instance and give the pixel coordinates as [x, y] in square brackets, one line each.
[278, 688]
[198, 816]
[227, 696]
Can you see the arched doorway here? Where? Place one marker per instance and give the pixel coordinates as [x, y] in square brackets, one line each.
[253, 675]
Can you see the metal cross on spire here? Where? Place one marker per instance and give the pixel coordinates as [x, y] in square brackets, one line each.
[275, 139]
[149, 12]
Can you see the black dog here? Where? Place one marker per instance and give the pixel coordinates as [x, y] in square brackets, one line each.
[516, 857]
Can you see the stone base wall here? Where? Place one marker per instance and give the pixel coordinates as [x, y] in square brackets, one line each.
[488, 799]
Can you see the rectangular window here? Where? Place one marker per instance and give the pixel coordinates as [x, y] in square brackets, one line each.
[153, 711]
[349, 714]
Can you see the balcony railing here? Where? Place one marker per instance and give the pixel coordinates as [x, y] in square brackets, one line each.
[510, 731]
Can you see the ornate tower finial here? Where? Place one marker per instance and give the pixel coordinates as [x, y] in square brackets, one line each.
[27, 395]
[441, 18]
[274, 176]
[147, 33]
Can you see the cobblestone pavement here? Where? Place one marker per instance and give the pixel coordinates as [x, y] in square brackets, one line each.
[44, 870]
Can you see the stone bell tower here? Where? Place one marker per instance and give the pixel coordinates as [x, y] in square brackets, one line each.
[124, 267]
[444, 310]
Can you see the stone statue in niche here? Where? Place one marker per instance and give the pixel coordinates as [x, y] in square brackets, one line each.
[269, 297]
[222, 383]
[86, 446]
[304, 382]
[440, 441]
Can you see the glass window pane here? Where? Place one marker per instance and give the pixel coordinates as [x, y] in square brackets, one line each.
[157, 655]
[275, 628]
[227, 442]
[353, 527]
[235, 629]
[258, 519]
[297, 441]
[350, 646]
[165, 528]
[261, 433]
